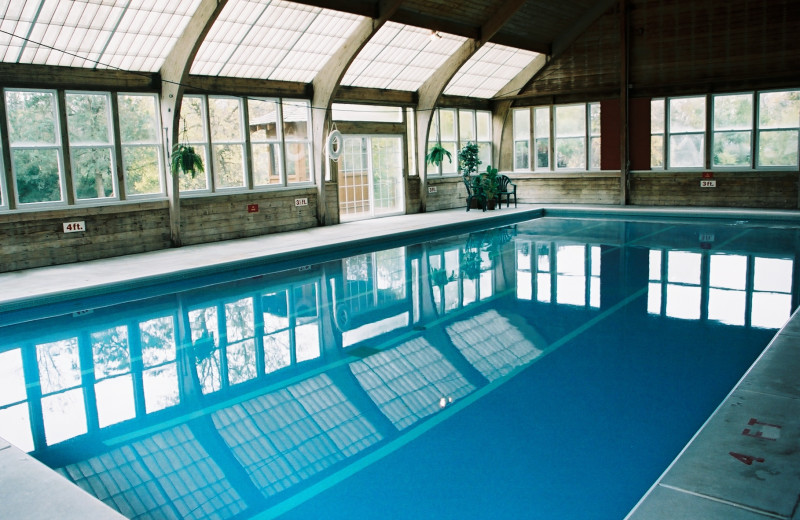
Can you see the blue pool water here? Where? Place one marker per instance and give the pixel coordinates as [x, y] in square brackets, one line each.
[548, 369]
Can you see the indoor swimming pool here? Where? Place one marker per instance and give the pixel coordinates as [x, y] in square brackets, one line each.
[552, 368]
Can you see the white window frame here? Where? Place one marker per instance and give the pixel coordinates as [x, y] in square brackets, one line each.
[110, 145]
[57, 146]
[157, 143]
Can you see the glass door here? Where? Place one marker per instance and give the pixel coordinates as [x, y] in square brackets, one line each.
[371, 177]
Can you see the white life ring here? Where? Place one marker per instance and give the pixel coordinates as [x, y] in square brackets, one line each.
[333, 145]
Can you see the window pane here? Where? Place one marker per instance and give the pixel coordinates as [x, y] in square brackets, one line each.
[263, 115]
[226, 119]
[686, 150]
[141, 157]
[31, 117]
[192, 125]
[229, 166]
[657, 116]
[656, 151]
[484, 123]
[541, 124]
[297, 165]
[778, 109]
[594, 153]
[687, 114]
[295, 120]
[447, 125]
[594, 118]
[777, 148]
[38, 175]
[570, 121]
[466, 126]
[87, 118]
[542, 153]
[138, 119]
[731, 149]
[142, 170]
[485, 153]
[521, 155]
[92, 172]
[266, 163]
[522, 124]
[571, 153]
[733, 112]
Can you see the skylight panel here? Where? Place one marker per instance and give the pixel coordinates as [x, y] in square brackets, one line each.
[400, 57]
[488, 70]
[277, 40]
[89, 34]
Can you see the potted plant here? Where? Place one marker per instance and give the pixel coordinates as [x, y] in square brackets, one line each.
[468, 160]
[185, 159]
[437, 153]
[490, 184]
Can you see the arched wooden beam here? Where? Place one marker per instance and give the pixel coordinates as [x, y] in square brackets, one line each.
[325, 84]
[174, 73]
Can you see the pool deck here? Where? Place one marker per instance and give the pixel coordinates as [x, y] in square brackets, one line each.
[743, 464]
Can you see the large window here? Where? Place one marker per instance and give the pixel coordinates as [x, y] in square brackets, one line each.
[454, 129]
[91, 146]
[746, 131]
[35, 141]
[297, 135]
[227, 141]
[141, 145]
[778, 126]
[570, 133]
[265, 141]
[732, 136]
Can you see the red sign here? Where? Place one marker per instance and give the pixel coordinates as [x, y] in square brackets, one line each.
[708, 175]
[252, 208]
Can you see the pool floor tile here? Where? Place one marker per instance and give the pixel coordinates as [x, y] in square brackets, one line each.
[747, 454]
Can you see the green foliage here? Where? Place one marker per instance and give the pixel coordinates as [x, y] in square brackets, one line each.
[468, 160]
[487, 183]
[186, 160]
[437, 154]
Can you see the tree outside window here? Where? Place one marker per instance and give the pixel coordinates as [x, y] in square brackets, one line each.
[35, 142]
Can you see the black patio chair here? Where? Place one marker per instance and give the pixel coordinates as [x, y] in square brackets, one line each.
[479, 197]
[507, 190]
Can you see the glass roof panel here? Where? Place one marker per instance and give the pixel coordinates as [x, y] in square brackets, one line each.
[488, 70]
[275, 40]
[128, 34]
[400, 57]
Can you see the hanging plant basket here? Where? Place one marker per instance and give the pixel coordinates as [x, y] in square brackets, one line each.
[186, 160]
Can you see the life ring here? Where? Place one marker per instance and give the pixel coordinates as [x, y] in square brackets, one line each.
[333, 145]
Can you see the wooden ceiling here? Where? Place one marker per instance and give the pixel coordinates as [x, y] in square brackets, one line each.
[544, 26]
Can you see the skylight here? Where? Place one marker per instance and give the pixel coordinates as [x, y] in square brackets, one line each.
[488, 71]
[122, 34]
[400, 57]
[275, 40]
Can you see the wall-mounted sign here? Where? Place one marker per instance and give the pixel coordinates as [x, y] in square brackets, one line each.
[74, 227]
[705, 183]
[252, 208]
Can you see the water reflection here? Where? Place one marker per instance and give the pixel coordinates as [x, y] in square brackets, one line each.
[223, 399]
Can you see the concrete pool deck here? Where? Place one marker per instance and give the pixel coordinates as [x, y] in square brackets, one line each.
[743, 464]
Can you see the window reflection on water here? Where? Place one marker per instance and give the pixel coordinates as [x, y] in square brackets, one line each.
[297, 371]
